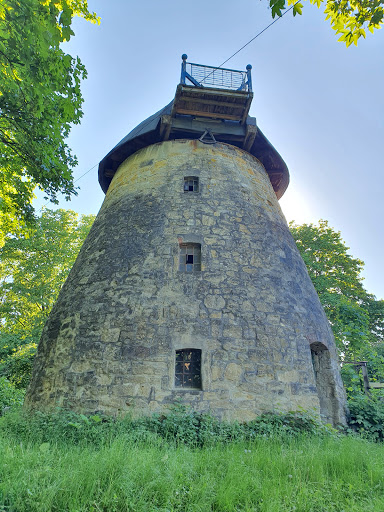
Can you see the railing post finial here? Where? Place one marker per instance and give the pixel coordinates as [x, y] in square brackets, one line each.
[183, 68]
[249, 79]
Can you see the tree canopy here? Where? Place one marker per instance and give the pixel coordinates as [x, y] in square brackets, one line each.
[357, 318]
[33, 268]
[350, 19]
[40, 98]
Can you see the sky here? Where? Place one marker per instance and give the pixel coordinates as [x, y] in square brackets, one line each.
[319, 103]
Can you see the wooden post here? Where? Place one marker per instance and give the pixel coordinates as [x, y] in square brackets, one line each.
[250, 135]
[165, 126]
[365, 378]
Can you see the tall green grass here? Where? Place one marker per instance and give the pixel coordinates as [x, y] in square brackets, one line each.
[302, 475]
[69, 463]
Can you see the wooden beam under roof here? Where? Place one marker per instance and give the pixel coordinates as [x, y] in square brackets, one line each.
[212, 103]
[165, 127]
[250, 135]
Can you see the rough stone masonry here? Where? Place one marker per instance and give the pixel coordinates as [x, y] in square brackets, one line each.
[199, 295]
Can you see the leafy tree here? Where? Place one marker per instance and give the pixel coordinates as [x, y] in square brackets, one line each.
[40, 98]
[349, 18]
[17, 368]
[357, 318]
[33, 268]
[9, 395]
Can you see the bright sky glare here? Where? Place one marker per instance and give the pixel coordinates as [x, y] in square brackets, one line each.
[321, 105]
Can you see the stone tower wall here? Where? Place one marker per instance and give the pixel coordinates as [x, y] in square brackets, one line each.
[110, 342]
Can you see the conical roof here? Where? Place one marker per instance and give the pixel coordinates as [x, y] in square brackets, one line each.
[152, 131]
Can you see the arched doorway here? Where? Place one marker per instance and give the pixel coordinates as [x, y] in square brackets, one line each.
[325, 382]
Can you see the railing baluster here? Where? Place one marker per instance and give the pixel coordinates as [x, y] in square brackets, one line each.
[201, 76]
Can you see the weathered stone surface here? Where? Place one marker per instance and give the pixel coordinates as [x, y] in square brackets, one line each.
[109, 344]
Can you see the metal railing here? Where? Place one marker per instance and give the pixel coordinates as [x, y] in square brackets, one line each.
[218, 78]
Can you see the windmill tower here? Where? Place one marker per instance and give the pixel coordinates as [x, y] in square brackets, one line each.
[189, 286]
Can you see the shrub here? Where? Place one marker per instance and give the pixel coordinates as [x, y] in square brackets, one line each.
[180, 426]
[18, 366]
[9, 395]
[367, 416]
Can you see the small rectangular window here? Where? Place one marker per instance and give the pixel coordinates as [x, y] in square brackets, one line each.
[188, 368]
[191, 184]
[190, 257]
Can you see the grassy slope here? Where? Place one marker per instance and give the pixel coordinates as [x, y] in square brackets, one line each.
[302, 475]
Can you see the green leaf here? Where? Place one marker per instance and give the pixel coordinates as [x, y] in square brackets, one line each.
[96, 418]
[297, 9]
[277, 6]
[44, 447]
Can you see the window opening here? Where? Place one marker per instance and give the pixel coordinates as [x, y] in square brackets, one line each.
[190, 257]
[191, 184]
[188, 368]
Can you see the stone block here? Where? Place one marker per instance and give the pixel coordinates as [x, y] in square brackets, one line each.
[109, 335]
[233, 372]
